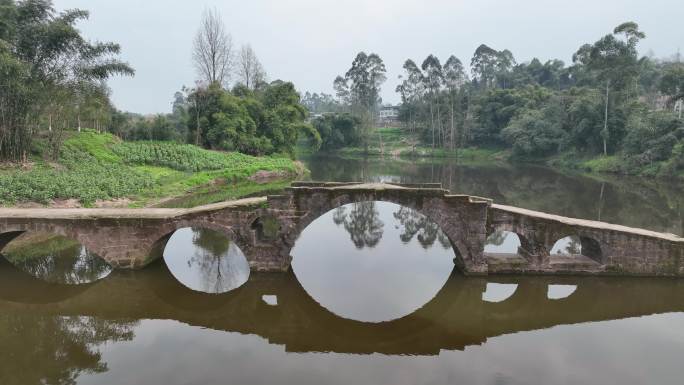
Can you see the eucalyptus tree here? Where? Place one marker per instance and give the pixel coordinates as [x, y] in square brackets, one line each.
[432, 80]
[250, 71]
[454, 78]
[342, 91]
[614, 62]
[212, 51]
[361, 87]
[484, 65]
[411, 90]
[503, 66]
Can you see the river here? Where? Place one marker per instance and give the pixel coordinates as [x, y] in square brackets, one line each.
[373, 297]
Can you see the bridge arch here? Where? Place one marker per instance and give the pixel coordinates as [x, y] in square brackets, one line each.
[160, 240]
[577, 245]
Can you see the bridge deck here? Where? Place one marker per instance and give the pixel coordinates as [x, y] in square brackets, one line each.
[142, 213]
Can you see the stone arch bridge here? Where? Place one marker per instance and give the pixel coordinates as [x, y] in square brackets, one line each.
[266, 229]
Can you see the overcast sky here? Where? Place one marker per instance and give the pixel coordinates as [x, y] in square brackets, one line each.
[309, 42]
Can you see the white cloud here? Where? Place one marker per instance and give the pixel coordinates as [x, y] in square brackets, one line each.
[309, 42]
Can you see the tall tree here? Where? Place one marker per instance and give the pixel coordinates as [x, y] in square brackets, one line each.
[212, 51]
[341, 90]
[362, 84]
[454, 78]
[483, 65]
[411, 90]
[504, 63]
[433, 80]
[614, 62]
[250, 71]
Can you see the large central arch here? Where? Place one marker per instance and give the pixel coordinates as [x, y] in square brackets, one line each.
[461, 218]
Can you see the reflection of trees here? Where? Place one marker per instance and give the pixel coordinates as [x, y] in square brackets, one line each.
[55, 350]
[497, 238]
[56, 259]
[211, 241]
[363, 223]
[218, 261]
[415, 223]
[656, 205]
[574, 246]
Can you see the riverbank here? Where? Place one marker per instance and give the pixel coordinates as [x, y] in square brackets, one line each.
[99, 170]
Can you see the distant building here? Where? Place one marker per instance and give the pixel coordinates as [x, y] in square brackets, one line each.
[388, 115]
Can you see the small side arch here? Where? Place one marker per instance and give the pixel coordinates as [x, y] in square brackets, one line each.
[156, 249]
[577, 247]
[507, 247]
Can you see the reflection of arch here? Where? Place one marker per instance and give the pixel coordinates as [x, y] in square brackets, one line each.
[8, 237]
[316, 208]
[499, 292]
[560, 292]
[160, 281]
[55, 258]
[21, 287]
[91, 244]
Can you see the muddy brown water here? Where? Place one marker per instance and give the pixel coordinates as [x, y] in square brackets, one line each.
[372, 298]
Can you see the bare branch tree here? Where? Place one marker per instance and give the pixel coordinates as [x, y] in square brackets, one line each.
[249, 69]
[213, 49]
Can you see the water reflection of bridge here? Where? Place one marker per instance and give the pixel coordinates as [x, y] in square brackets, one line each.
[456, 318]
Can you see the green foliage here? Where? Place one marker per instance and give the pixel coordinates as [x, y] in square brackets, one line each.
[339, 130]
[497, 107]
[609, 102]
[100, 167]
[652, 136]
[50, 74]
[535, 133]
[189, 158]
[266, 121]
[85, 178]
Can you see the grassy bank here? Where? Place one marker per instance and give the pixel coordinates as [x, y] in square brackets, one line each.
[617, 165]
[393, 142]
[98, 167]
